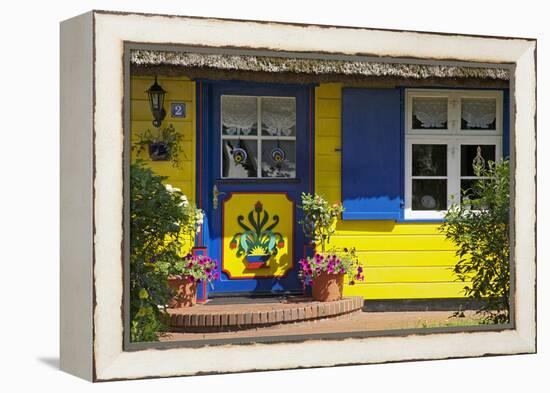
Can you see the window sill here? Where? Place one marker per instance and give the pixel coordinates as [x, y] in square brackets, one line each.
[259, 181]
[420, 220]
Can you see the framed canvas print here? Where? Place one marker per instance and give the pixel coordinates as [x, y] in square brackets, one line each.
[247, 195]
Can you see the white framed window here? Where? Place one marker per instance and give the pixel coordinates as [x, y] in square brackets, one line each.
[249, 151]
[445, 132]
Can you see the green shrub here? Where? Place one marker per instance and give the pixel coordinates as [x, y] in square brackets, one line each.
[479, 227]
[320, 218]
[158, 214]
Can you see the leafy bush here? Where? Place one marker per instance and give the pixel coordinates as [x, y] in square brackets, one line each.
[159, 216]
[479, 226]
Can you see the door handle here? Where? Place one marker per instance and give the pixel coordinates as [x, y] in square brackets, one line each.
[215, 194]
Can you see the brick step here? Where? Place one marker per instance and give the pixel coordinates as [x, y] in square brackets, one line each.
[212, 318]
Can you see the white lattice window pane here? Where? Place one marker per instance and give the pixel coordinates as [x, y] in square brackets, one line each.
[429, 160]
[429, 194]
[478, 113]
[472, 156]
[239, 115]
[239, 158]
[479, 155]
[429, 113]
[278, 158]
[279, 116]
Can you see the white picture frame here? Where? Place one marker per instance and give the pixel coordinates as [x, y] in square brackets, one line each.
[92, 69]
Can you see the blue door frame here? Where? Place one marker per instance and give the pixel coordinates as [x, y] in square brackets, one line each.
[209, 175]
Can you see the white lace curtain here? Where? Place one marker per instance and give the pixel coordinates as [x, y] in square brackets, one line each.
[431, 112]
[278, 116]
[239, 114]
[478, 113]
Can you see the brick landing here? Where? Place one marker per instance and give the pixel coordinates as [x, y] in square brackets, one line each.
[229, 317]
[354, 322]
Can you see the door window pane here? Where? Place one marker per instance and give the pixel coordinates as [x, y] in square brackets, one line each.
[278, 158]
[278, 116]
[428, 194]
[475, 154]
[239, 115]
[429, 113]
[429, 160]
[478, 113]
[239, 158]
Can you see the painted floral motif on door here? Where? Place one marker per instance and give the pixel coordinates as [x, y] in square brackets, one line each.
[258, 230]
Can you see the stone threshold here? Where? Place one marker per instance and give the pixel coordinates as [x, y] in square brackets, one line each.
[230, 317]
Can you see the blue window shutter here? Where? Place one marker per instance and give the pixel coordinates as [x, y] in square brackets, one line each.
[371, 154]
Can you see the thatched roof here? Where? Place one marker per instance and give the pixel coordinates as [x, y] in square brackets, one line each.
[248, 63]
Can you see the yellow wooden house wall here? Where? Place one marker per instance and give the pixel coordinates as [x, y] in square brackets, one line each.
[401, 260]
[179, 89]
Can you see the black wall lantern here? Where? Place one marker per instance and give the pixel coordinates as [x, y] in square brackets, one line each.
[156, 103]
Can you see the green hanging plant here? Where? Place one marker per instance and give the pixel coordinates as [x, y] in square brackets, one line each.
[162, 144]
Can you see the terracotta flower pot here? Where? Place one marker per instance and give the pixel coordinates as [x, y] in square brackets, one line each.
[327, 287]
[186, 292]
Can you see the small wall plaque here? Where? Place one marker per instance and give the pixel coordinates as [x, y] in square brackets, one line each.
[178, 109]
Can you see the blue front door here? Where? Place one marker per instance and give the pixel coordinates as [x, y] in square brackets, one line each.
[255, 158]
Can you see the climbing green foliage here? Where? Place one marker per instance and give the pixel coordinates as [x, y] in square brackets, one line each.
[319, 219]
[159, 216]
[479, 226]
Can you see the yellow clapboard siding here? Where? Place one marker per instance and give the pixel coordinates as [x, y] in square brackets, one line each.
[185, 128]
[328, 127]
[393, 242]
[176, 88]
[329, 90]
[331, 178]
[402, 260]
[413, 290]
[140, 111]
[383, 227]
[165, 168]
[328, 145]
[329, 108]
[331, 194]
[407, 258]
[329, 163]
[376, 275]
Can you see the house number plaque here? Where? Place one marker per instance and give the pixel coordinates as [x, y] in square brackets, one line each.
[178, 109]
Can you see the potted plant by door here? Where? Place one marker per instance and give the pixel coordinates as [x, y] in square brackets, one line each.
[186, 275]
[325, 271]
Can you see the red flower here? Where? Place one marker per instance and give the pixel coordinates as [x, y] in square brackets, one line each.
[233, 244]
[281, 244]
[258, 206]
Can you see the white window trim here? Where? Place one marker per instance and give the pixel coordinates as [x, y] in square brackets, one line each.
[453, 137]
